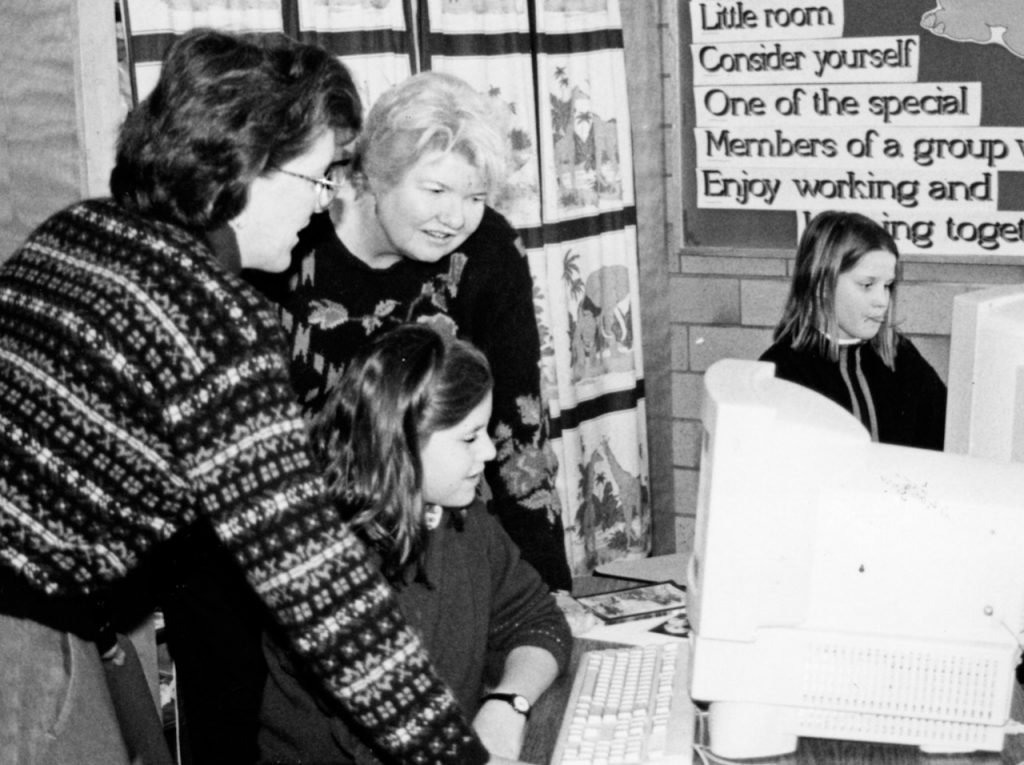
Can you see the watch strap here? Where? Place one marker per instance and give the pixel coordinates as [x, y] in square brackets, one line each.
[514, 700]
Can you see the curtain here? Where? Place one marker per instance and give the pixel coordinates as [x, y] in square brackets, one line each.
[557, 69]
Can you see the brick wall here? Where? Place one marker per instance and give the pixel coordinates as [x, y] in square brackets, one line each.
[725, 304]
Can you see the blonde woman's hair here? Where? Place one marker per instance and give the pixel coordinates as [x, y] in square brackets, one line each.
[431, 112]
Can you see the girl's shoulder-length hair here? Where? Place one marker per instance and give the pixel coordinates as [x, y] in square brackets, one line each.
[832, 243]
[409, 383]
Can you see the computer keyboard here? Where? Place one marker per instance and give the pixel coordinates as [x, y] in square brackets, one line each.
[629, 705]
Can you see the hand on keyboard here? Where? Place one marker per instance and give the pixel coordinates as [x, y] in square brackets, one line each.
[581, 620]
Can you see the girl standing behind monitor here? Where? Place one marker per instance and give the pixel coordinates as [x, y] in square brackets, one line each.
[837, 334]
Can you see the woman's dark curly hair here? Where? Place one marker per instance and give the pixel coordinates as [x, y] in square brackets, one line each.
[408, 384]
[224, 110]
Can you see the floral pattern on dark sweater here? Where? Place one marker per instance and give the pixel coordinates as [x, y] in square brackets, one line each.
[333, 305]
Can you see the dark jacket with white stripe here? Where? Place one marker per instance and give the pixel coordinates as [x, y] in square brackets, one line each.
[905, 405]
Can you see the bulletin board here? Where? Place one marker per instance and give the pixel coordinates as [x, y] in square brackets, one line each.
[908, 112]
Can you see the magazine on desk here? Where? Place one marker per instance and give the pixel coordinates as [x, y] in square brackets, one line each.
[643, 602]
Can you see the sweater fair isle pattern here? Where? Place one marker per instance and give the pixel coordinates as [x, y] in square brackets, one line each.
[143, 386]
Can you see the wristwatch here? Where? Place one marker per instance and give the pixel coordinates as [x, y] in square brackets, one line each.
[517, 702]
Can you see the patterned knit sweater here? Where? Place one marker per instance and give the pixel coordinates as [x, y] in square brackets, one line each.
[333, 305]
[143, 386]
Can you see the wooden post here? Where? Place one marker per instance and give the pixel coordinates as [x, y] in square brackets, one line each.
[59, 108]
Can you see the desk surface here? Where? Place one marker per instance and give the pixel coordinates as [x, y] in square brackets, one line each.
[546, 719]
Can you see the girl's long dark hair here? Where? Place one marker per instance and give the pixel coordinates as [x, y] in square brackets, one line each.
[408, 384]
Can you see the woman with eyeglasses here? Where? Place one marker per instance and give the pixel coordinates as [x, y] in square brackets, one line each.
[414, 239]
[146, 397]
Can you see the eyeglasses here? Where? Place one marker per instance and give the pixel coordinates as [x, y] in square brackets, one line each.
[325, 190]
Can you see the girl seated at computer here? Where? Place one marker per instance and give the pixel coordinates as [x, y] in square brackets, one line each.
[837, 334]
[403, 438]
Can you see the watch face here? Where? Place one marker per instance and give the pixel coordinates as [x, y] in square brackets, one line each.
[517, 702]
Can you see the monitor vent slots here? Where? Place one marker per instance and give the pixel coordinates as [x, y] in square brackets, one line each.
[903, 681]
